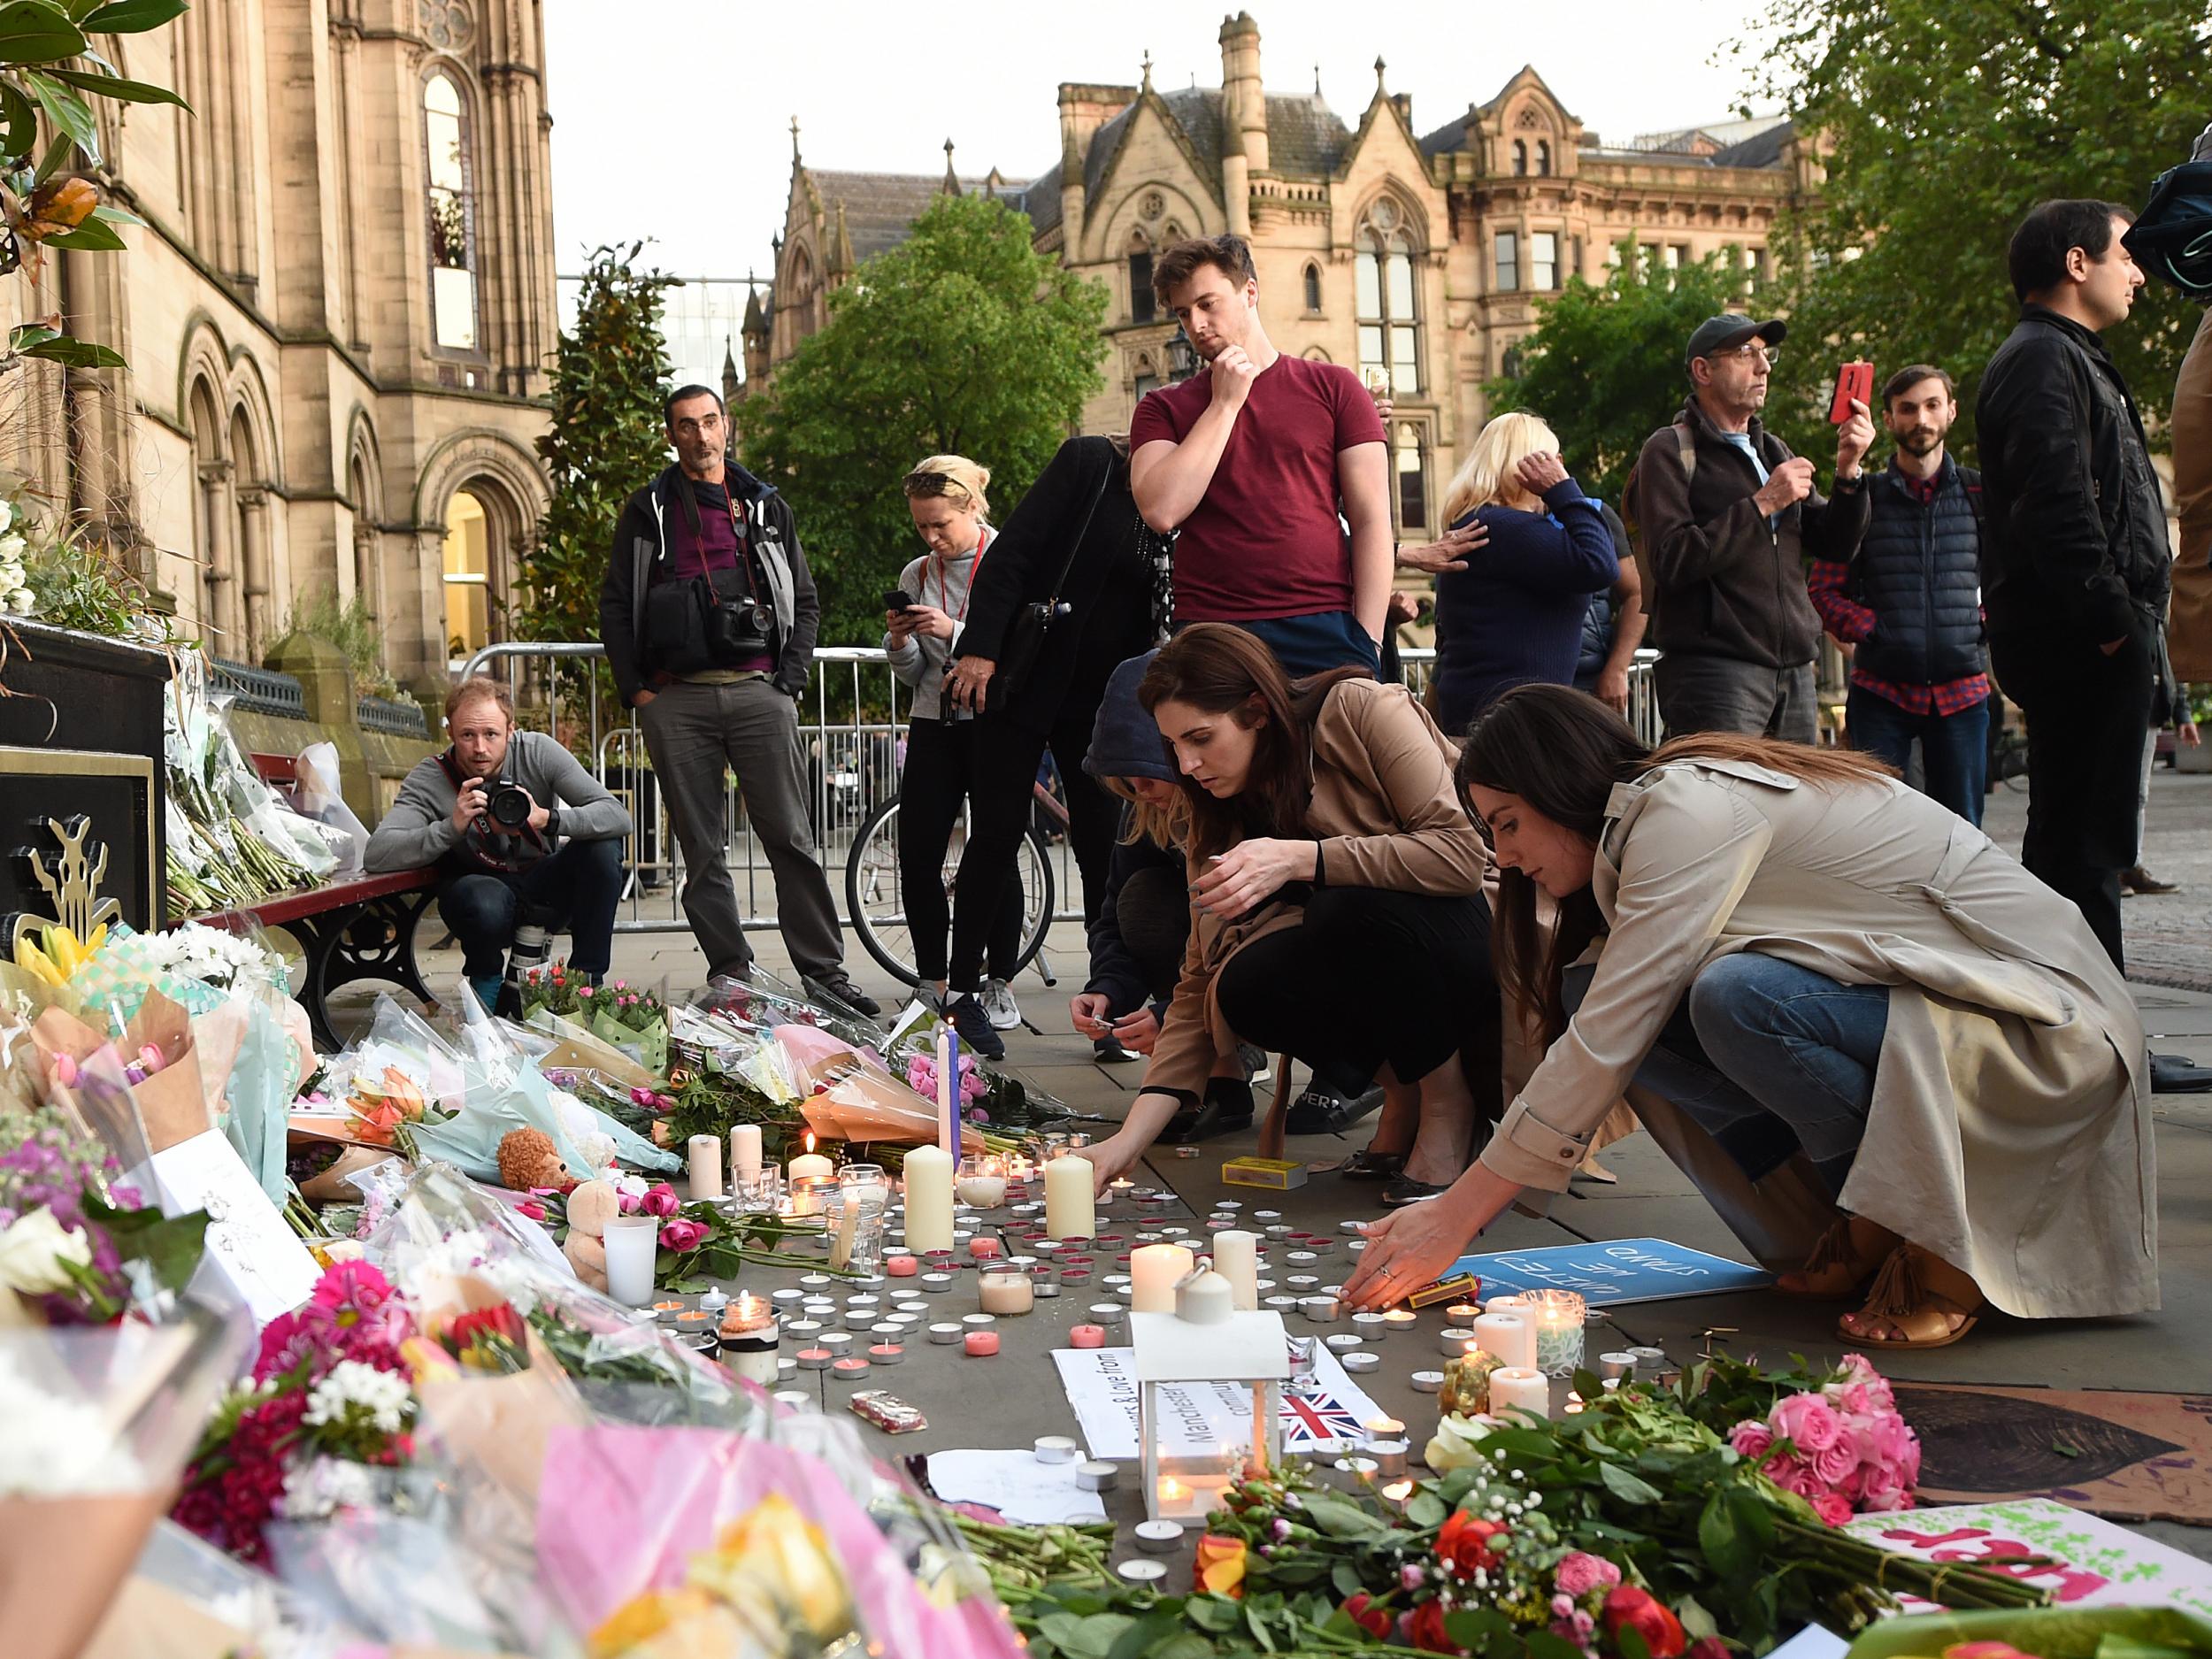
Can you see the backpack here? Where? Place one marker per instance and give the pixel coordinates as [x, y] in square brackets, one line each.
[1685, 446]
[2173, 239]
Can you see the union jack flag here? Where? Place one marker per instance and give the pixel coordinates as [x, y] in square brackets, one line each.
[1311, 1419]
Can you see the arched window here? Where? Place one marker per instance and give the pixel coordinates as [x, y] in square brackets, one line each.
[1520, 159]
[468, 576]
[1313, 288]
[1143, 307]
[1411, 460]
[1543, 157]
[221, 607]
[1389, 313]
[452, 216]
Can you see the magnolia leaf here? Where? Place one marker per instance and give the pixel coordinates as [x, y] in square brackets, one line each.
[131, 16]
[1627, 1488]
[92, 236]
[25, 335]
[18, 124]
[76, 354]
[32, 32]
[115, 215]
[71, 120]
[116, 87]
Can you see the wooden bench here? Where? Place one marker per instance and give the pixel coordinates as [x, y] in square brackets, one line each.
[358, 929]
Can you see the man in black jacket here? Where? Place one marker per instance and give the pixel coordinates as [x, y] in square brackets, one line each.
[2076, 566]
[1726, 515]
[708, 615]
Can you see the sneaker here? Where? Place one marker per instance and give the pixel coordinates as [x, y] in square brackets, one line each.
[1257, 1069]
[999, 1006]
[1226, 1109]
[1107, 1050]
[1321, 1110]
[839, 988]
[974, 1025]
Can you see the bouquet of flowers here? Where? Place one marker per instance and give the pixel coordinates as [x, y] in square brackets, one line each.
[330, 1405]
[702, 1242]
[76, 1246]
[629, 1016]
[1835, 1438]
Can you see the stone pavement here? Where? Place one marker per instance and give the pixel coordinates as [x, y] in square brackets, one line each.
[2169, 1351]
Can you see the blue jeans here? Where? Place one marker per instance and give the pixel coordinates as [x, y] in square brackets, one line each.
[1769, 1057]
[1954, 748]
[581, 884]
[1315, 644]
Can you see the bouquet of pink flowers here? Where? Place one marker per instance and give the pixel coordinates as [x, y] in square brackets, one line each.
[1841, 1445]
[921, 1077]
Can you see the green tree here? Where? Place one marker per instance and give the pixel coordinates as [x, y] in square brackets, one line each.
[1604, 365]
[961, 340]
[608, 438]
[47, 62]
[1949, 118]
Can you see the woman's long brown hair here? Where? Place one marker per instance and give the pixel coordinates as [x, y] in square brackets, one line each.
[1562, 752]
[1222, 670]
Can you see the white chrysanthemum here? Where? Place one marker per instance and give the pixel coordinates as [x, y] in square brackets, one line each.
[320, 1487]
[383, 1395]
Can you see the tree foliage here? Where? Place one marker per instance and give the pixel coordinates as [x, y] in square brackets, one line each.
[608, 438]
[961, 340]
[1604, 365]
[1948, 119]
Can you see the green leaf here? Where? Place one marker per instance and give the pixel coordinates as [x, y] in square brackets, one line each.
[1146, 1635]
[91, 236]
[1627, 1488]
[1476, 1627]
[76, 354]
[1717, 1537]
[1340, 1519]
[70, 115]
[116, 87]
[1346, 1578]
[1542, 1644]
[1183, 1645]
[117, 215]
[18, 124]
[1217, 1614]
[32, 32]
[132, 17]
[25, 335]
[1426, 1510]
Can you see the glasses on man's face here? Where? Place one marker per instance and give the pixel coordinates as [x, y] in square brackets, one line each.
[1754, 353]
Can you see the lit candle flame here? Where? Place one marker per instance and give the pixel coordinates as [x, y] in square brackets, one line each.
[809, 1140]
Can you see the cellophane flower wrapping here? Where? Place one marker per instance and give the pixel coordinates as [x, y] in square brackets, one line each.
[516, 1054]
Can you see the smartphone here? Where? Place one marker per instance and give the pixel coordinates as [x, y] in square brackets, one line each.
[1853, 380]
[898, 599]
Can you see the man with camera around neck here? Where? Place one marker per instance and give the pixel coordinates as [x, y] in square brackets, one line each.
[708, 615]
[522, 837]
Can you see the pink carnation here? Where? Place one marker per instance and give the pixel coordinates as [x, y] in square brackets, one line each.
[1579, 1574]
[1752, 1439]
[1808, 1421]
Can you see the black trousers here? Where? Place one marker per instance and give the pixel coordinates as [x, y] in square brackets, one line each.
[940, 775]
[1000, 800]
[1371, 978]
[1152, 912]
[2086, 713]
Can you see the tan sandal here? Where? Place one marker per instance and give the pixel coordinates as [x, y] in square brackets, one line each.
[1905, 1298]
[1839, 1266]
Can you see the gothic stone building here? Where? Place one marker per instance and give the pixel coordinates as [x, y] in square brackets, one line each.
[1377, 246]
[337, 317]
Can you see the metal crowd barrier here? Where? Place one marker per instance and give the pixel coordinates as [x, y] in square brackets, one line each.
[853, 760]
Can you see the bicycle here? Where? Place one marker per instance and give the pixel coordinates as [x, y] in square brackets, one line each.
[879, 914]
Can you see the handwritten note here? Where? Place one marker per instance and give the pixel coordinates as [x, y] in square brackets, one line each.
[1016, 1485]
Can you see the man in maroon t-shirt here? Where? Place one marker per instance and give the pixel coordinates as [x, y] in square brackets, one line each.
[1251, 461]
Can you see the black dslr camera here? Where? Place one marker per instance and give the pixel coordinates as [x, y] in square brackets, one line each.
[507, 804]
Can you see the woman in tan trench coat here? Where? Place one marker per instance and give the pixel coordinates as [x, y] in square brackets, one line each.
[1869, 976]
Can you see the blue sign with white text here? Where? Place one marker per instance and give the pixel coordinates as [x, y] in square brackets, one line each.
[1611, 1271]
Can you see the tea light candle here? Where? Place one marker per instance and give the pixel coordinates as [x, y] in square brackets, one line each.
[750, 1340]
[1369, 1325]
[1462, 1313]
[1055, 1448]
[788, 1294]
[1521, 1387]
[1361, 1363]
[805, 1330]
[1155, 1270]
[980, 1344]
[886, 1354]
[979, 1321]
[1457, 1341]
[1390, 1458]
[944, 1333]
[1142, 1571]
[1087, 1336]
[1612, 1367]
[985, 1249]
[815, 1358]
[664, 1311]
[1509, 1337]
[745, 1162]
[1321, 1310]
[1005, 1293]
[1097, 1475]
[1236, 1258]
[1159, 1538]
[836, 1342]
[794, 1399]
[1397, 1319]
[928, 1199]
[1427, 1382]
[1558, 1318]
[902, 1266]
[815, 1281]
[1069, 1213]
[1344, 1343]
[706, 1166]
[850, 1369]
[935, 1283]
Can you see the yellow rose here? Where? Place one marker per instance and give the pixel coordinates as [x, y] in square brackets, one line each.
[776, 1549]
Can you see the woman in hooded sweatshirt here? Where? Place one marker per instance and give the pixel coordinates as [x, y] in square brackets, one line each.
[945, 495]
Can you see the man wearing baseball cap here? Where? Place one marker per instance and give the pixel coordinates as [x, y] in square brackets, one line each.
[1726, 517]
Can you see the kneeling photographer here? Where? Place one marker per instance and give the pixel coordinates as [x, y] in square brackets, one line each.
[524, 840]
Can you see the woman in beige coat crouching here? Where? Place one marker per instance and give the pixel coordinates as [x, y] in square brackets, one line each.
[1831, 994]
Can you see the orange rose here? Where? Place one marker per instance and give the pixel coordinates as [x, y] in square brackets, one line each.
[1220, 1565]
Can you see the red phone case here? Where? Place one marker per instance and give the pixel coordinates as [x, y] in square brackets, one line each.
[1853, 380]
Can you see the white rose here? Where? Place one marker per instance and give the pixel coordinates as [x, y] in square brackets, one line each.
[7, 515]
[11, 575]
[13, 548]
[31, 1253]
[22, 601]
[1458, 1442]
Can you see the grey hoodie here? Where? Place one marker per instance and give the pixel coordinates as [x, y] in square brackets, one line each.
[920, 662]
[419, 830]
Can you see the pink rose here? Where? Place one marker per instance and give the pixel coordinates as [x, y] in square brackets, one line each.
[629, 1203]
[1881, 1498]
[662, 1201]
[1808, 1420]
[533, 1209]
[1836, 1465]
[1832, 1509]
[1579, 1574]
[1751, 1438]
[1790, 1474]
[682, 1236]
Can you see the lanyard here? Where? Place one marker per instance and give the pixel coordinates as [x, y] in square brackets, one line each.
[944, 580]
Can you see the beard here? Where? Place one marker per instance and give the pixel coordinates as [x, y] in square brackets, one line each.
[1920, 440]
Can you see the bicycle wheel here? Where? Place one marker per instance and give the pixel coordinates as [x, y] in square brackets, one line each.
[878, 912]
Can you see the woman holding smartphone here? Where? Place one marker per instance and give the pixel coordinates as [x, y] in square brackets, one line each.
[945, 495]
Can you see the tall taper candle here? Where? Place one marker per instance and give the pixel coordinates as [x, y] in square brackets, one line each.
[1068, 1210]
[706, 1166]
[744, 1153]
[928, 1199]
[949, 1090]
[1236, 1258]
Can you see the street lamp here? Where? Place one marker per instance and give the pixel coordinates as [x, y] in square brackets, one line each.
[1182, 356]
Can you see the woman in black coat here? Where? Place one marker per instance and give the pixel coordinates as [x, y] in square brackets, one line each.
[1075, 544]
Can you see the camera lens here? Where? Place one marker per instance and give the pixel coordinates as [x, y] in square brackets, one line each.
[507, 805]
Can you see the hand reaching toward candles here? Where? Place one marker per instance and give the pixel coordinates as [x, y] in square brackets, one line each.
[1410, 1248]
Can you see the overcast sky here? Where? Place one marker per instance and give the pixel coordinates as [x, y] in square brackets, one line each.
[672, 119]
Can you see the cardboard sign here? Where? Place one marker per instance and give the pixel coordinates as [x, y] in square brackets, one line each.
[249, 1247]
[1612, 1271]
[2094, 1564]
[1101, 1385]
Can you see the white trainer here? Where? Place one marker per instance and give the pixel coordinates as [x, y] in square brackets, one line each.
[999, 1006]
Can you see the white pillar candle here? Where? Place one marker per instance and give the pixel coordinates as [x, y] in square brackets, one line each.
[1236, 1258]
[1154, 1272]
[1508, 1338]
[810, 1166]
[928, 1199]
[706, 1166]
[1068, 1210]
[631, 1242]
[1206, 1300]
[745, 1154]
[1521, 1386]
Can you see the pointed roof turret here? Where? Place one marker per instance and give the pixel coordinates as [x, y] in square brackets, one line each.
[952, 180]
[841, 262]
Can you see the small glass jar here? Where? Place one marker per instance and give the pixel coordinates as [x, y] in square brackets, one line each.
[854, 1214]
[981, 1181]
[1559, 1317]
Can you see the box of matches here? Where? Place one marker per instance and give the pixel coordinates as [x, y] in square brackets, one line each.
[1277, 1175]
[1461, 1287]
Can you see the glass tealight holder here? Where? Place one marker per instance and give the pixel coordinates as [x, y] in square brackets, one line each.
[853, 1213]
[981, 1181]
[1559, 1317]
[810, 1195]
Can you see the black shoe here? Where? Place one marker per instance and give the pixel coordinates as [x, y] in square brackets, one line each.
[2177, 1074]
[1372, 1166]
[965, 1012]
[1321, 1110]
[1108, 1051]
[2139, 882]
[839, 988]
[1404, 1190]
[1227, 1108]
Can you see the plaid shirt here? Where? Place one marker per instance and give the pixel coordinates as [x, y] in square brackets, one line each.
[1850, 622]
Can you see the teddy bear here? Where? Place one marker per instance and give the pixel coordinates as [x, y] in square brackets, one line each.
[591, 1208]
[529, 1161]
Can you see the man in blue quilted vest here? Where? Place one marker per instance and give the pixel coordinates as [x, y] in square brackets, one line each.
[1907, 604]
